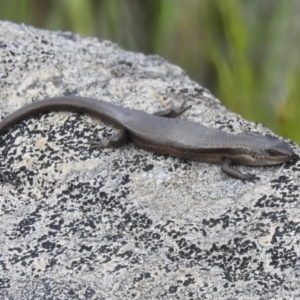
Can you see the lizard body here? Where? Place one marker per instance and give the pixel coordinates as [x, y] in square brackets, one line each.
[165, 134]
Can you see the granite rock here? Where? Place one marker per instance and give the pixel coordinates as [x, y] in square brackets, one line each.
[127, 223]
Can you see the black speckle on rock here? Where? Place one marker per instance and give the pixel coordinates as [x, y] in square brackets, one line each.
[173, 289]
[119, 267]
[188, 281]
[3, 45]
[184, 91]
[85, 248]
[125, 180]
[148, 167]
[199, 90]
[19, 250]
[44, 41]
[26, 226]
[57, 225]
[127, 63]
[48, 245]
[89, 293]
[4, 283]
[261, 201]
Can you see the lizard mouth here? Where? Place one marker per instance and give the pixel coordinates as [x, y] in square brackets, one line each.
[279, 159]
[255, 159]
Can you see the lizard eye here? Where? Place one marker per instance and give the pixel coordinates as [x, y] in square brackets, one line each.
[272, 153]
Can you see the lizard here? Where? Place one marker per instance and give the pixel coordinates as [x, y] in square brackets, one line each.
[163, 133]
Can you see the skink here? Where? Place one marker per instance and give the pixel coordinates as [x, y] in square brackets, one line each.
[163, 133]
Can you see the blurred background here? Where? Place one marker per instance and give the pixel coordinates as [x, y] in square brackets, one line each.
[244, 52]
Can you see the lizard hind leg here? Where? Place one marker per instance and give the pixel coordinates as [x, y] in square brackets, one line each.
[119, 139]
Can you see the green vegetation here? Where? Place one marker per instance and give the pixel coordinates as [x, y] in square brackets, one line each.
[245, 52]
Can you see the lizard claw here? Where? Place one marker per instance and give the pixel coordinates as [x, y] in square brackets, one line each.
[116, 140]
[250, 177]
[97, 143]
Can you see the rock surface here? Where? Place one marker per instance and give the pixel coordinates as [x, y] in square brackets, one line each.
[127, 223]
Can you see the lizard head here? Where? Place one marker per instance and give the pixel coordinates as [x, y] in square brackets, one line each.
[277, 151]
[265, 150]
